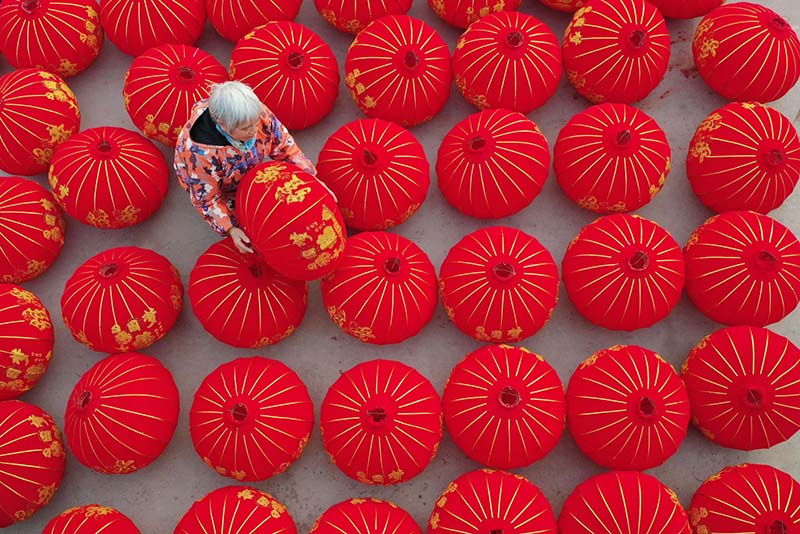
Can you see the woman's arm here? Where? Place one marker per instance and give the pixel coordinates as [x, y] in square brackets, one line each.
[196, 174]
[284, 147]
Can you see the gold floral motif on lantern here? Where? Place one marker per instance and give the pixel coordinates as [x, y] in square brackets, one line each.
[23, 295]
[159, 131]
[42, 156]
[352, 26]
[123, 466]
[269, 174]
[245, 495]
[711, 123]
[128, 215]
[291, 191]
[98, 218]
[97, 510]
[37, 318]
[708, 47]
[67, 68]
[438, 7]
[17, 357]
[700, 149]
[434, 521]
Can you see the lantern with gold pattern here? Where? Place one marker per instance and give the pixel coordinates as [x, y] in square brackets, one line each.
[237, 509]
[91, 519]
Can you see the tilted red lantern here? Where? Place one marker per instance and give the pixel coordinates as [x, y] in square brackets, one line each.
[38, 112]
[352, 16]
[744, 156]
[616, 50]
[627, 408]
[365, 516]
[163, 83]
[122, 299]
[623, 272]
[499, 284]
[568, 6]
[462, 13]
[398, 69]
[743, 268]
[611, 158]
[492, 164]
[233, 19]
[31, 230]
[251, 418]
[746, 51]
[381, 422]
[383, 289]
[378, 171]
[507, 60]
[237, 509]
[685, 9]
[90, 519]
[504, 406]
[32, 460]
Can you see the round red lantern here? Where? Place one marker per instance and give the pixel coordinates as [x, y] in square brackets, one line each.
[486, 500]
[251, 418]
[627, 408]
[31, 230]
[493, 163]
[109, 177]
[378, 171]
[381, 422]
[507, 60]
[616, 50]
[32, 460]
[685, 9]
[38, 112]
[162, 85]
[744, 156]
[122, 299]
[233, 19]
[237, 509]
[398, 69]
[352, 16]
[90, 519]
[623, 272]
[499, 284]
[568, 6]
[72, 29]
[299, 232]
[462, 13]
[611, 158]
[741, 269]
[383, 289]
[746, 51]
[365, 516]
[291, 69]
[504, 406]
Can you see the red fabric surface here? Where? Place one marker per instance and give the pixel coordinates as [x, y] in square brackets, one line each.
[611, 158]
[504, 406]
[462, 13]
[492, 164]
[31, 230]
[352, 16]
[398, 69]
[365, 516]
[233, 19]
[616, 50]
[378, 171]
[91, 519]
[746, 51]
[623, 272]
[744, 156]
[381, 422]
[499, 284]
[743, 268]
[122, 299]
[383, 289]
[627, 408]
[685, 9]
[568, 6]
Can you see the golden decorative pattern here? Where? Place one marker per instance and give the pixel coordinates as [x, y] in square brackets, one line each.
[37, 318]
[291, 191]
[269, 174]
[700, 149]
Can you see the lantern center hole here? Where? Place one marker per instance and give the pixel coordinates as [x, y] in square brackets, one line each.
[778, 23]
[109, 270]
[510, 398]
[766, 260]
[392, 265]
[753, 398]
[186, 73]
[378, 415]
[496, 531]
[504, 271]
[514, 39]
[369, 157]
[411, 59]
[255, 270]
[477, 143]
[296, 60]
[84, 399]
[637, 39]
[624, 137]
[647, 408]
[29, 6]
[104, 146]
[239, 412]
[639, 261]
[775, 157]
[777, 527]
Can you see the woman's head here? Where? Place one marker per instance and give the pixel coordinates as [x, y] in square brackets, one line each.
[236, 108]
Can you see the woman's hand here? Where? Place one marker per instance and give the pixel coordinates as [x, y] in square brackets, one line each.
[241, 240]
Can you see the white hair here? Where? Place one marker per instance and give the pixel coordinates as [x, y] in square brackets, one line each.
[233, 103]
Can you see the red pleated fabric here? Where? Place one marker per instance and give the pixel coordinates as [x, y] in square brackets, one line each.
[233, 19]
[746, 51]
[743, 268]
[352, 16]
[365, 516]
[685, 9]
[462, 13]
[623, 272]
[237, 509]
[568, 6]
[91, 519]
[492, 164]
[611, 158]
[616, 50]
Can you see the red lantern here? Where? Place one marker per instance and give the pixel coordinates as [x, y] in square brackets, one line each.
[685, 9]
[38, 112]
[291, 69]
[611, 158]
[623, 272]
[568, 6]
[746, 51]
[31, 230]
[507, 60]
[744, 156]
[90, 519]
[627, 408]
[352, 16]
[462, 13]
[365, 516]
[233, 19]
[26, 340]
[493, 163]
[616, 50]
[109, 177]
[242, 301]
[32, 460]
[237, 509]
[398, 69]
[378, 172]
[251, 418]
[486, 500]
[291, 219]
[744, 387]
[72, 29]
[381, 422]
[741, 268]
[122, 299]
[499, 284]
[383, 289]
[162, 85]
[504, 406]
